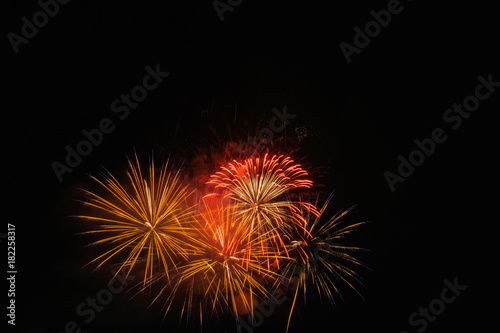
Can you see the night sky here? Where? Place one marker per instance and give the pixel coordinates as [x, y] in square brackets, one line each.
[227, 72]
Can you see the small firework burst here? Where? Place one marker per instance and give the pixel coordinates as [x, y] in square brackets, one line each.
[318, 254]
[141, 220]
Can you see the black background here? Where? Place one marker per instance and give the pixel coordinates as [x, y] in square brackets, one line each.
[359, 117]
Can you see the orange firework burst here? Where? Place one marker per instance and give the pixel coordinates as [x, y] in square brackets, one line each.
[260, 189]
[225, 270]
[141, 220]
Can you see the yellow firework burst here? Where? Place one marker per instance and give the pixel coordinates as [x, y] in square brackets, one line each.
[141, 220]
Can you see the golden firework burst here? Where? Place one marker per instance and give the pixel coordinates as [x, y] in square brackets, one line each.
[141, 220]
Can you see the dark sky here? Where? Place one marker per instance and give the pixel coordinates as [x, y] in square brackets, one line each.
[359, 117]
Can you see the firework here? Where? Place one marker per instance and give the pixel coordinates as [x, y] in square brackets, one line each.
[317, 254]
[228, 250]
[260, 188]
[226, 268]
[141, 220]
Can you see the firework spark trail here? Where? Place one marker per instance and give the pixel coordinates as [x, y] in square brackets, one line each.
[141, 219]
[260, 189]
